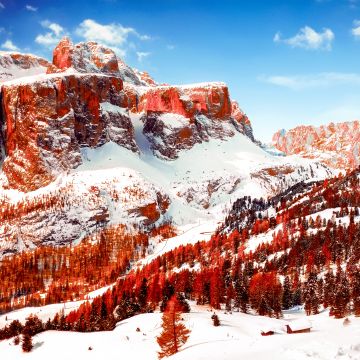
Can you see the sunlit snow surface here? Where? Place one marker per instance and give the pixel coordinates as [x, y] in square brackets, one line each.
[202, 183]
[231, 165]
[238, 337]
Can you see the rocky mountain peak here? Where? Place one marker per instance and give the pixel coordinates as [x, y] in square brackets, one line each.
[84, 57]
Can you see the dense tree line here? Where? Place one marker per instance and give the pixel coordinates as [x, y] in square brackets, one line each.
[318, 260]
[51, 274]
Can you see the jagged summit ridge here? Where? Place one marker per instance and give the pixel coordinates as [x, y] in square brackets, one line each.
[85, 57]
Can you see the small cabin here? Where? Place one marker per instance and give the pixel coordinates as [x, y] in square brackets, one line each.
[298, 326]
[267, 332]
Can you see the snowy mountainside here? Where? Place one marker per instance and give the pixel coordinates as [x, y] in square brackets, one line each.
[191, 267]
[77, 204]
[189, 148]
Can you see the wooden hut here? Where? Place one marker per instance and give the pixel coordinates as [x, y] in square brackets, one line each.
[298, 326]
[267, 332]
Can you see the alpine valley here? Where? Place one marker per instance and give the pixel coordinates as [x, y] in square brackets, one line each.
[120, 197]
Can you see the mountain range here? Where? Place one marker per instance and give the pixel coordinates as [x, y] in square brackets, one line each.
[120, 196]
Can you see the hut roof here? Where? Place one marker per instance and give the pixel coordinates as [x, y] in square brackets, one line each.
[299, 324]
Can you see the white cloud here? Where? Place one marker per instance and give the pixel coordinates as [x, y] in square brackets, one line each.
[141, 55]
[308, 38]
[52, 37]
[9, 45]
[113, 35]
[56, 28]
[356, 29]
[300, 82]
[2, 6]
[31, 8]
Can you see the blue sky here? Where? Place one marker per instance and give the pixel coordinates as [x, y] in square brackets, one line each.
[286, 62]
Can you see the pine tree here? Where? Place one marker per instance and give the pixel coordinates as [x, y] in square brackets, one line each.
[143, 293]
[174, 333]
[27, 342]
[311, 298]
[33, 325]
[265, 294]
[296, 290]
[216, 320]
[287, 298]
[342, 295]
[242, 294]
[216, 289]
[355, 291]
[16, 340]
[329, 289]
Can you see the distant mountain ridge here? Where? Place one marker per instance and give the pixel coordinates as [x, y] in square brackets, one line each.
[335, 144]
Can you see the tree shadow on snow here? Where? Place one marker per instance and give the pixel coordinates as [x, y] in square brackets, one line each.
[38, 344]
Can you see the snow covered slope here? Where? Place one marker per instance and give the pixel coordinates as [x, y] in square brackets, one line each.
[70, 138]
[238, 337]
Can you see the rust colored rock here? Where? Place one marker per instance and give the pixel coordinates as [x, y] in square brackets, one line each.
[146, 78]
[86, 57]
[211, 99]
[177, 117]
[336, 145]
[152, 211]
[49, 120]
[241, 120]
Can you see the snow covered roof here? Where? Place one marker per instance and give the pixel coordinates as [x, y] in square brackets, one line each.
[300, 324]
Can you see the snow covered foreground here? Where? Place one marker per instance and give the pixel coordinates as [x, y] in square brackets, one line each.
[238, 337]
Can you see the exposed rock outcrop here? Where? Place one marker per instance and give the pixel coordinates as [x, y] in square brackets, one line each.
[177, 117]
[49, 120]
[85, 57]
[242, 120]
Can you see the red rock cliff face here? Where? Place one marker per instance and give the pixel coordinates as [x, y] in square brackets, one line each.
[49, 120]
[177, 117]
[336, 145]
[242, 120]
[210, 99]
